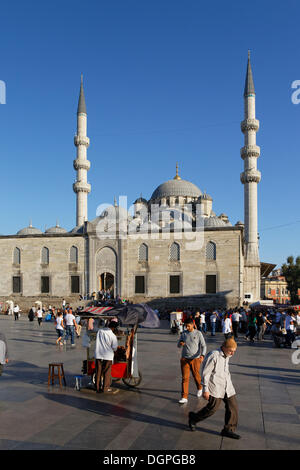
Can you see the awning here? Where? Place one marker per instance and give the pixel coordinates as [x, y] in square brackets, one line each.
[97, 310]
[266, 269]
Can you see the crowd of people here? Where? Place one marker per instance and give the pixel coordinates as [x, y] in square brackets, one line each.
[282, 325]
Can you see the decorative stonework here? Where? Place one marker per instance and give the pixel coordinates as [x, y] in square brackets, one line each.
[80, 186]
[249, 125]
[250, 151]
[81, 165]
[253, 176]
[81, 140]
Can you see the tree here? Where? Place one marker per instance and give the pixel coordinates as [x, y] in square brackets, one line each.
[291, 272]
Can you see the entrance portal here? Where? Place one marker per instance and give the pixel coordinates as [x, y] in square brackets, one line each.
[106, 282]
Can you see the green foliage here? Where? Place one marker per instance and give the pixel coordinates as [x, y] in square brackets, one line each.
[291, 272]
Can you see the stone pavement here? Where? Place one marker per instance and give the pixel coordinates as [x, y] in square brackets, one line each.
[33, 416]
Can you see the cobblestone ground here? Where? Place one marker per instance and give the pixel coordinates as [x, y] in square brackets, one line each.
[35, 416]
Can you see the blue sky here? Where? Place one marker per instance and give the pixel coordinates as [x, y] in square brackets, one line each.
[163, 83]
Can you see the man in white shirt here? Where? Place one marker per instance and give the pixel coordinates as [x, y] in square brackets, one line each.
[16, 311]
[235, 318]
[202, 323]
[218, 387]
[106, 345]
[39, 315]
[70, 323]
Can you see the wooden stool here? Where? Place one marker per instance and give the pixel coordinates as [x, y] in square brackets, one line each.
[60, 374]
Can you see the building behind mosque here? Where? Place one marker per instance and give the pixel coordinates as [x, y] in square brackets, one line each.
[172, 248]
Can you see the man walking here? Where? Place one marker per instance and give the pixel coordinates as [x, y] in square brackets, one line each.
[71, 324]
[16, 311]
[193, 352]
[213, 321]
[106, 345]
[217, 386]
[235, 318]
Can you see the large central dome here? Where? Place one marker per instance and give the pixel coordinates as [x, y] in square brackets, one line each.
[176, 187]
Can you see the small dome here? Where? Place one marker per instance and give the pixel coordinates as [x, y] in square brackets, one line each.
[239, 223]
[56, 229]
[141, 200]
[30, 230]
[214, 222]
[206, 197]
[77, 229]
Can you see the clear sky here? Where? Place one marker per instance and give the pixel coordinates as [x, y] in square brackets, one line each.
[163, 83]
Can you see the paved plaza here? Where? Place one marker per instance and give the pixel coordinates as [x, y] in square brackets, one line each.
[35, 416]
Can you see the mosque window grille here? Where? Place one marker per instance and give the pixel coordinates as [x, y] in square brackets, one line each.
[143, 252]
[175, 252]
[174, 286]
[211, 284]
[75, 284]
[74, 254]
[45, 255]
[45, 284]
[17, 284]
[140, 285]
[17, 256]
[211, 251]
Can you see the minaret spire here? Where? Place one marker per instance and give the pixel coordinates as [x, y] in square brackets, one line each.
[250, 178]
[81, 102]
[81, 187]
[249, 84]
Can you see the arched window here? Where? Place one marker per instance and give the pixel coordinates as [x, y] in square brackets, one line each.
[211, 251]
[17, 256]
[74, 254]
[175, 252]
[143, 252]
[45, 255]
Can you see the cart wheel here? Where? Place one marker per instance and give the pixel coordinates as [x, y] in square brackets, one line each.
[133, 381]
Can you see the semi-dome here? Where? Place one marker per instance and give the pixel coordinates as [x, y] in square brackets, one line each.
[214, 221]
[30, 230]
[56, 229]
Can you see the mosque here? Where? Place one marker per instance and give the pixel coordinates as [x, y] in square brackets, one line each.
[172, 247]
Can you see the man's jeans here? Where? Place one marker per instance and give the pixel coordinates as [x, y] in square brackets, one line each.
[70, 332]
[213, 328]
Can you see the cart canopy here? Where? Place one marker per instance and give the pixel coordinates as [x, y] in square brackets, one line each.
[132, 314]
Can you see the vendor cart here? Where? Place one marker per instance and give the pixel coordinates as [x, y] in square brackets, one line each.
[125, 363]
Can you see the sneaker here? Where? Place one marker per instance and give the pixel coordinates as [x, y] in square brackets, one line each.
[230, 434]
[183, 400]
[192, 424]
[199, 393]
[111, 390]
[73, 345]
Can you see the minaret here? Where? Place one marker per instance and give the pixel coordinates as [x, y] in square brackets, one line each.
[81, 187]
[250, 178]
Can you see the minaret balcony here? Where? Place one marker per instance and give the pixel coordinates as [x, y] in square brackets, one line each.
[250, 125]
[81, 186]
[250, 176]
[81, 140]
[81, 165]
[250, 151]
